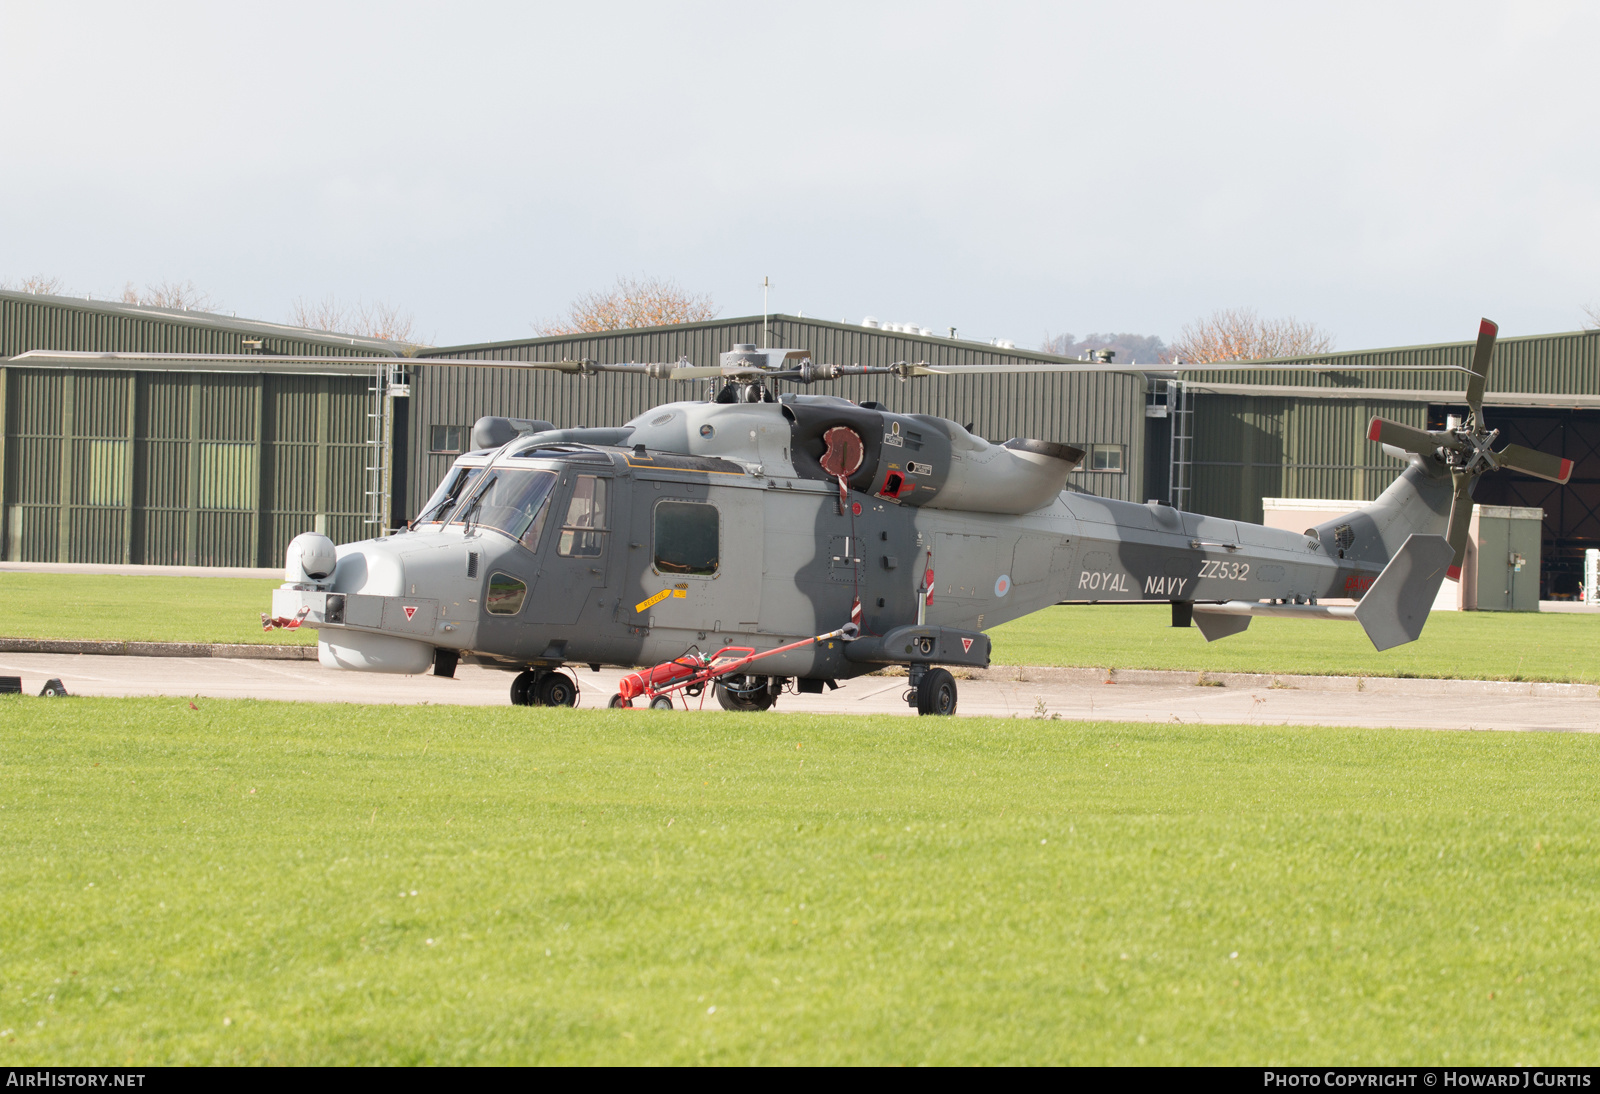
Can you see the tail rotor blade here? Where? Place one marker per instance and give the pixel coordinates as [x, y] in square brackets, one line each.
[1542, 465]
[1460, 519]
[1480, 365]
[1403, 436]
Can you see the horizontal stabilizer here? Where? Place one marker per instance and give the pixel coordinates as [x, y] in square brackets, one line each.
[1394, 610]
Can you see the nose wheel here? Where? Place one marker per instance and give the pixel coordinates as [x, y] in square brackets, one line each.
[546, 689]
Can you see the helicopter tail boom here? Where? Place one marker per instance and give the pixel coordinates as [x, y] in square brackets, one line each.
[1392, 612]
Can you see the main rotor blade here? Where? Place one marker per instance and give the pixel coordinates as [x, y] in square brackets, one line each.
[1480, 366]
[694, 372]
[1094, 367]
[1460, 520]
[1403, 436]
[1541, 465]
[658, 370]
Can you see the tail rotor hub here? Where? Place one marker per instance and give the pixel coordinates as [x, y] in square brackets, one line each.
[1473, 453]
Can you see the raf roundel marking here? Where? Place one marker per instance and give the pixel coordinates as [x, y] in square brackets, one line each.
[1003, 586]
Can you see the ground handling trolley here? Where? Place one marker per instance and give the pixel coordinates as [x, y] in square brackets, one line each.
[687, 676]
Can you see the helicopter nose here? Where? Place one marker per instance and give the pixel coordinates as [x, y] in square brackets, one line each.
[370, 567]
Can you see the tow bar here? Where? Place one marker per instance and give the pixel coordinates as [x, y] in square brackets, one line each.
[695, 670]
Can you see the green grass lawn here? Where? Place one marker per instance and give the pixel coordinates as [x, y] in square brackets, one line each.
[256, 882]
[140, 609]
[1466, 645]
[1473, 645]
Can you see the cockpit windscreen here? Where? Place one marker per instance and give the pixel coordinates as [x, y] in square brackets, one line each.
[456, 485]
[512, 501]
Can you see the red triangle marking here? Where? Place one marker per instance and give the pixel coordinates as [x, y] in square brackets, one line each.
[966, 645]
[410, 611]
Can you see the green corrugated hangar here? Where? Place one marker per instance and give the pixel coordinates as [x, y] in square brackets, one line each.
[179, 459]
[183, 461]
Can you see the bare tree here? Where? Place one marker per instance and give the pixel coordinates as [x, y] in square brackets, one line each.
[632, 302]
[1593, 312]
[176, 295]
[38, 284]
[383, 321]
[325, 314]
[1239, 334]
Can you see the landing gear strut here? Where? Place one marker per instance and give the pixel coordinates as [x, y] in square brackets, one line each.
[933, 691]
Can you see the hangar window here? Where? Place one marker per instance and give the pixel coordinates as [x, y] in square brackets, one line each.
[505, 595]
[687, 536]
[227, 476]
[583, 532]
[1105, 457]
[448, 439]
[108, 465]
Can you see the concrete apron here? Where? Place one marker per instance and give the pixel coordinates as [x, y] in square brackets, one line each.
[1008, 692]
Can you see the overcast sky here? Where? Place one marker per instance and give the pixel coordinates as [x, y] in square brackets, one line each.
[1388, 171]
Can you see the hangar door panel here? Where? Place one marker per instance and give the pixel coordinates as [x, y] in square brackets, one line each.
[1571, 512]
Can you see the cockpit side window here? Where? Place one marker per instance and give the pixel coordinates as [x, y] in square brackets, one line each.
[583, 532]
[456, 485]
[511, 501]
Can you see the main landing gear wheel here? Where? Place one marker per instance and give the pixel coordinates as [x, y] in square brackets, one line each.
[555, 689]
[618, 702]
[522, 689]
[936, 693]
[745, 693]
[661, 702]
[550, 689]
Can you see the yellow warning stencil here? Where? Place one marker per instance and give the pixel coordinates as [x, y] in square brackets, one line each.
[653, 601]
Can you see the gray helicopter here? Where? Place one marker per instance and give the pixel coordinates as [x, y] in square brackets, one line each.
[756, 543]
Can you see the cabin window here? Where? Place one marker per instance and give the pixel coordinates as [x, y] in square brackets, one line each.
[583, 532]
[687, 537]
[505, 595]
[1105, 457]
[448, 439]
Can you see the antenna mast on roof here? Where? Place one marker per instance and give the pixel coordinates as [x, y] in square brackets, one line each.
[766, 326]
